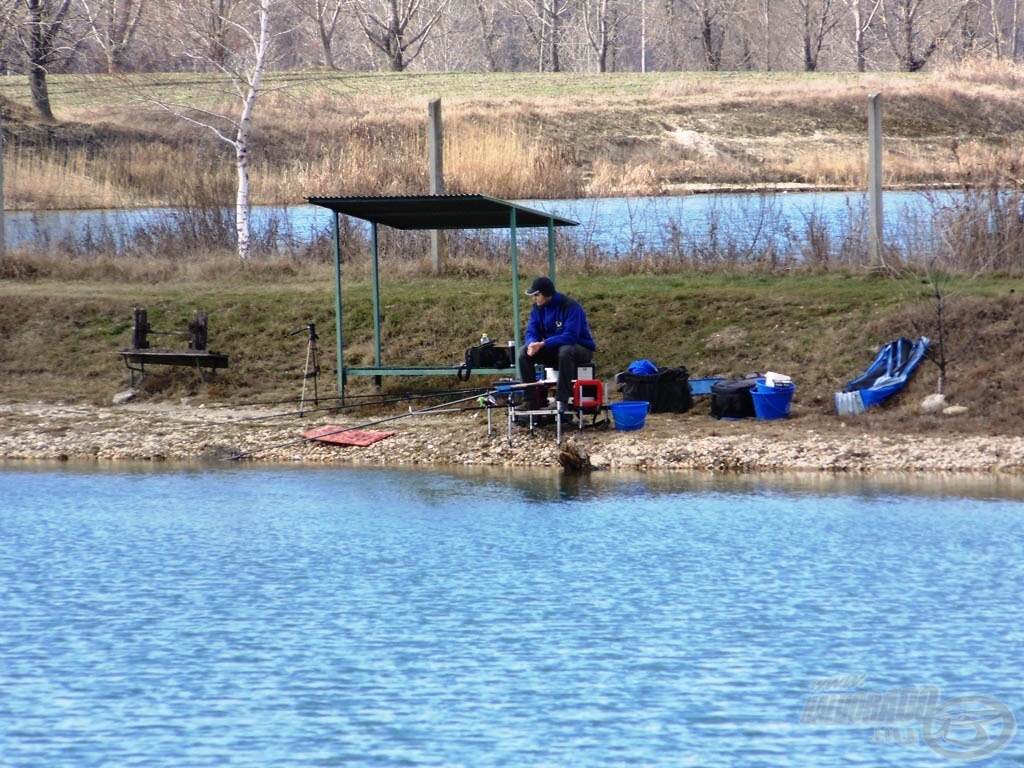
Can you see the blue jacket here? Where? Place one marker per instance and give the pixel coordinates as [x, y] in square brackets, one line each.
[560, 321]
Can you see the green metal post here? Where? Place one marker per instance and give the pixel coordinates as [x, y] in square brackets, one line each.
[517, 331]
[376, 302]
[551, 249]
[338, 345]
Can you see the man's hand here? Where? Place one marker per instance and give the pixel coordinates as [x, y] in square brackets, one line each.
[534, 347]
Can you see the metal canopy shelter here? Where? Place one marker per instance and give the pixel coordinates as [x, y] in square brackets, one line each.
[411, 212]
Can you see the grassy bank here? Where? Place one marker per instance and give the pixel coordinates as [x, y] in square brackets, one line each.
[60, 337]
[718, 308]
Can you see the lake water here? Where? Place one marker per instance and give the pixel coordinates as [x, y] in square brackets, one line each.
[247, 616]
[615, 225]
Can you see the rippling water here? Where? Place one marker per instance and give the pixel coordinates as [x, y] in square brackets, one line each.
[391, 618]
[617, 224]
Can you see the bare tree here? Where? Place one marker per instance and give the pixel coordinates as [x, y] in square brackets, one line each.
[237, 46]
[398, 28]
[41, 37]
[113, 24]
[992, 26]
[326, 16]
[864, 14]
[9, 21]
[602, 20]
[817, 21]
[552, 13]
[761, 34]
[485, 13]
[664, 34]
[210, 32]
[1014, 29]
[480, 34]
[997, 30]
[916, 28]
[543, 21]
[713, 18]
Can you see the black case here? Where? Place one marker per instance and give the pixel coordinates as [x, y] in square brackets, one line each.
[668, 390]
[488, 356]
[731, 399]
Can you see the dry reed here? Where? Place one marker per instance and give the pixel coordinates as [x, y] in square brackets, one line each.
[349, 135]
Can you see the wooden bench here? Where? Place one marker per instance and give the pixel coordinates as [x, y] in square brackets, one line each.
[196, 356]
[135, 360]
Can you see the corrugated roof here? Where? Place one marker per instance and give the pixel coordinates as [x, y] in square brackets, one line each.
[440, 211]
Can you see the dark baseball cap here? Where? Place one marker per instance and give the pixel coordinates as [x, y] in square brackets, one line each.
[542, 285]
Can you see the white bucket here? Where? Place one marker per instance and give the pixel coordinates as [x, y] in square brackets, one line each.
[550, 374]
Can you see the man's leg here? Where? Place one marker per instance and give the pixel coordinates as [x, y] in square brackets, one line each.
[569, 356]
[527, 366]
[535, 397]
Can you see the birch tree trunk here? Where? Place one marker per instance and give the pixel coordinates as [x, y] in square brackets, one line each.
[243, 65]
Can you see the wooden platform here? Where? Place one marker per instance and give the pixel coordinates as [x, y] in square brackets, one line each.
[330, 433]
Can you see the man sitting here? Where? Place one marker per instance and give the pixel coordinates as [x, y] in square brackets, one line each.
[557, 336]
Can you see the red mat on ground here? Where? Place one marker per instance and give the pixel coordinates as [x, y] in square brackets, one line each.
[329, 433]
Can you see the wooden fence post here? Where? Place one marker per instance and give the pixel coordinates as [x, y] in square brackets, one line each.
[140, 327]
[436, 176]
[198, 330]
[875, 180]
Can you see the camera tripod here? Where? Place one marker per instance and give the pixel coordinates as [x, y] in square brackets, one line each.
[312, 370]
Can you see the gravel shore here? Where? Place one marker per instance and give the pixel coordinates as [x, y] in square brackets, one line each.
[166, 432]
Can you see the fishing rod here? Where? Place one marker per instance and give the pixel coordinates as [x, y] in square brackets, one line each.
[337, 407]
[377, 400]
[434, 408]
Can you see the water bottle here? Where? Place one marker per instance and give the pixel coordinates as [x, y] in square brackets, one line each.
[539, 371]
[484, 339]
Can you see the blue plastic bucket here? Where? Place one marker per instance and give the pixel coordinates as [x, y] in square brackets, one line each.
[772, 402]
[630, 414]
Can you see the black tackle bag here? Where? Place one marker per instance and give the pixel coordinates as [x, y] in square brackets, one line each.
[486, 355]
[731, 398]
[668, 390]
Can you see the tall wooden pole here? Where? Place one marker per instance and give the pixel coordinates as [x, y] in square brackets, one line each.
[3, 207]
[875, 179]
[436, 176]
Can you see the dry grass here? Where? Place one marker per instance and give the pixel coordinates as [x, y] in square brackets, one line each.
[39, 180]
[524, 135]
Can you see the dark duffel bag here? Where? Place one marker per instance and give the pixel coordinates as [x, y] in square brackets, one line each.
[488, 355]
[668, 390]
[731, 399]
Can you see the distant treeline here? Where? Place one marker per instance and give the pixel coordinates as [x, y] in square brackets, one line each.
[82, 36]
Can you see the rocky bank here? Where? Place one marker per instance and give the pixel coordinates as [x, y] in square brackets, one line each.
[692, 441]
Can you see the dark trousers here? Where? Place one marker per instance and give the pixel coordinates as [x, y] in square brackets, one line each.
[565, 358]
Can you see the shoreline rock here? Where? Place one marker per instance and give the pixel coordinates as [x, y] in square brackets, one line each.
[136, 432]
